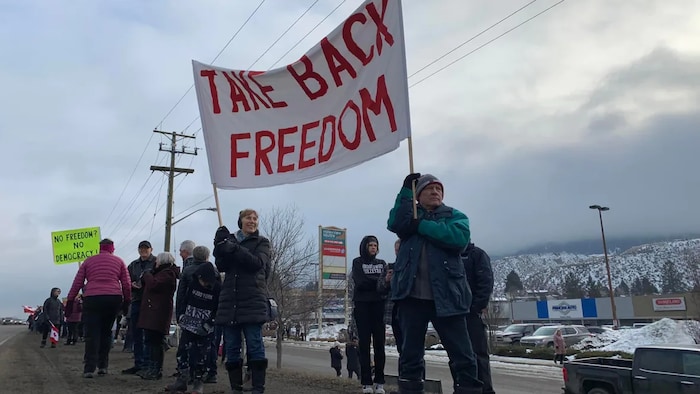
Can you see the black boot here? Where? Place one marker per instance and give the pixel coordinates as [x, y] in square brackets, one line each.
[181, 383]
[410, 386]
[235, 376]
[258, 370]
[467, 390]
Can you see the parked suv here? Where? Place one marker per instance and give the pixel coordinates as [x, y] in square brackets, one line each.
[513, 333]
[544, 336]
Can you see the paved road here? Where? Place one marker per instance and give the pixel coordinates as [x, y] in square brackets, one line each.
[7, 332]
[508, 378]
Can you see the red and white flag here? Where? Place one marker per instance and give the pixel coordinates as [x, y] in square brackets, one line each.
[55, 337]
[28, 309]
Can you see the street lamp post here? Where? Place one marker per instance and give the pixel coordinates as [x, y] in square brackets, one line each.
[168, 228]
[601, 209]
[192, 213]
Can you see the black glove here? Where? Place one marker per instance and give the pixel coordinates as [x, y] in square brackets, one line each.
[413, 227]
[222, 234]
[125, 309]
[408, 182]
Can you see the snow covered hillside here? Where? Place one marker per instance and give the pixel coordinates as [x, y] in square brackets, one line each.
[546, 271]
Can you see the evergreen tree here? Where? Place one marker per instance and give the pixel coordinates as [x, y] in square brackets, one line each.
[572, 286]
[623, 288]
[513, 284]
[593, 288]
[637, 289]
[648, 287]
[671, 279]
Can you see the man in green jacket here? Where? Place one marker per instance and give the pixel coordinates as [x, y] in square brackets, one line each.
[429, 283]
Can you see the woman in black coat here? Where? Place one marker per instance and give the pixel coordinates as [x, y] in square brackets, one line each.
[244, 257]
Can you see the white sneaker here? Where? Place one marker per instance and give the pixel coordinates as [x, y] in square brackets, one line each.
[367, 389]
[379, 389]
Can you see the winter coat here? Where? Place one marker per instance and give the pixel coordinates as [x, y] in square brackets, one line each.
[246, 264]
[186, 280]
[384, 287]
[136, 269]
[53, 310]
[199, 307]
[366, 270]
[336, 358]
[102, 274]
[441, 235]
[477, 267]
[157, 302]
[559, 344]
[76, 311]
[353, 355]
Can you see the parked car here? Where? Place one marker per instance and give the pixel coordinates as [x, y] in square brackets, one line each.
[598, 330]
[665, 369]
[544, 336]
[513, 333]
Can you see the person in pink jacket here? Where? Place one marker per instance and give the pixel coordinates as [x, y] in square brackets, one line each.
[559, 347]
[106, 287]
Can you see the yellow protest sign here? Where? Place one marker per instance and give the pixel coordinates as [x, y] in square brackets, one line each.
[72, 246]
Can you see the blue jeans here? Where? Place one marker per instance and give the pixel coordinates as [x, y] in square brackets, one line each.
[214, 350]
[141, 357]
[414, 315]
[253, 342]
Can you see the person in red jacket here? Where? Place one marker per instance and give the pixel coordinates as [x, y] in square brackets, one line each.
[106, 289]
[73, 318]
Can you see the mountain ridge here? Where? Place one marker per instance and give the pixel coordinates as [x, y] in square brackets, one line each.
[546, 271]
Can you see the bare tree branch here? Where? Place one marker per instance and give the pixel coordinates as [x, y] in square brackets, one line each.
[294, 264]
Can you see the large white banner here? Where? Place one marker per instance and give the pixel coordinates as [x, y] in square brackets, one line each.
[343, 103]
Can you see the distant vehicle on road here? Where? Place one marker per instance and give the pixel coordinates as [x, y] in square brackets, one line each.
[513, 333]
[544, 336]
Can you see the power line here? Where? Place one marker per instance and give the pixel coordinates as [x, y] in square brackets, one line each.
[160, 124]
[128, 180]
[488, 42]
[194, 205]
[283, 34]
[293, 46]
[307, 34]
[128, 209]
[473, 38]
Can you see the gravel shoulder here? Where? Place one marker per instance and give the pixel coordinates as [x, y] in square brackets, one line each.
[26, 368]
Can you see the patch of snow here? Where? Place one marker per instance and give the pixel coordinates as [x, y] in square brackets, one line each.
[663, 332]
[327, 332]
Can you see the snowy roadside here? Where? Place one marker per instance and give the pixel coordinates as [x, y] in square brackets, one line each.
[437, 356]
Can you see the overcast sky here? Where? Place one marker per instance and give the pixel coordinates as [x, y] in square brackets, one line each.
[591, 102]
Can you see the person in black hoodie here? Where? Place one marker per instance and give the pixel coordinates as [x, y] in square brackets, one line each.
[477, 267]
[369, 313]
[196, 312]
[53, 310]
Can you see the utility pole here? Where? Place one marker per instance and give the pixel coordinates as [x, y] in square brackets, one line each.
[172, 171]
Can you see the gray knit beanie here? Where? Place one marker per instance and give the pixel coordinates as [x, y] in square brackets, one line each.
[426, 180]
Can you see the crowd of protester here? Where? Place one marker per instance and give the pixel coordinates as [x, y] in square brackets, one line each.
[438, 277]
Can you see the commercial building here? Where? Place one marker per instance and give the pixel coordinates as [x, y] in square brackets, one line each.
[597, 311]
